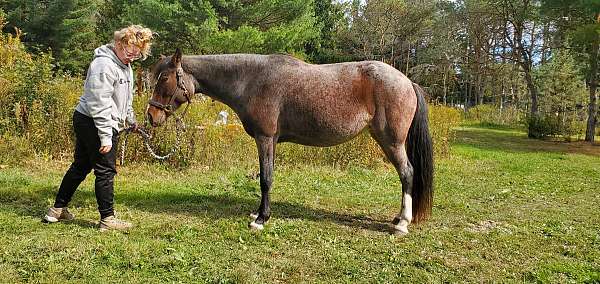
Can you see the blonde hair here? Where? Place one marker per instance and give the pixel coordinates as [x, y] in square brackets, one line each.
[135, 35]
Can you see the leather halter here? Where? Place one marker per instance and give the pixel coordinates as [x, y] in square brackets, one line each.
[180, 85]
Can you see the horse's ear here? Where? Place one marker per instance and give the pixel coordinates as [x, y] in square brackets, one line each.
[177, 58]
[162, 56]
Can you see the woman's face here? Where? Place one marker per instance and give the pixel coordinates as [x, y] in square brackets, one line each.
[127, 53]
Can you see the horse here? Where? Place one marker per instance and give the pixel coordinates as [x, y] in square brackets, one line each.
[279, 98]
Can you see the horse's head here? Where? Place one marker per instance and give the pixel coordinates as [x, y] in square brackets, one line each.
[173, 87]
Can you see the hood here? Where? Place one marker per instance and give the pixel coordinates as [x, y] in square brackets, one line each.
[106, 51]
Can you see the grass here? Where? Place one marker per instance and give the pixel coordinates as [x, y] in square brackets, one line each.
[507, 209]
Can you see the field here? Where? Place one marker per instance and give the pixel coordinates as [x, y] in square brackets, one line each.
[506, 209]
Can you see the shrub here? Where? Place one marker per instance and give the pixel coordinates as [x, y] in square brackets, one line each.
[36, 105]
[443, 120]
[494, 116]
[555, 126]
[14, 150]
[562, 97]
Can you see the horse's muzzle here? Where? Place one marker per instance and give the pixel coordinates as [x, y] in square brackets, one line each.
[155, 116]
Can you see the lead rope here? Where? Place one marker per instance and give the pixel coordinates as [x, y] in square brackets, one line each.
[179, 129]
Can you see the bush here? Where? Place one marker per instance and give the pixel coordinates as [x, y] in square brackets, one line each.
[36, 105]
[562, 97]
[542, 126]
[14, 150]
[221, 146]
[442, 122]
[494, 116]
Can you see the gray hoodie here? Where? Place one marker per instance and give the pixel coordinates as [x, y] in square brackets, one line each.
[108, 94]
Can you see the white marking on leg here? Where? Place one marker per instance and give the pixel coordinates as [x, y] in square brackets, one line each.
[405, 215]
[253, 215]
[255, 226]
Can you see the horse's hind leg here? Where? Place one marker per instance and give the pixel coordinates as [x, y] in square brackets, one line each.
[390, 133]
[396, 153]
[405, 170]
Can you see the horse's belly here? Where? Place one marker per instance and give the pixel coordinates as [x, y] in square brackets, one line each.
[323, 130]
[325, 141]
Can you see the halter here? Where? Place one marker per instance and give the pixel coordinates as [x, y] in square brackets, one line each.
[180, 85]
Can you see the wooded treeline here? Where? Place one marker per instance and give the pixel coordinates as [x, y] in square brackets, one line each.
[538, 57]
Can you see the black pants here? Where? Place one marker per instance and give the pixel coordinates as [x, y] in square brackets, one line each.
[87, 157]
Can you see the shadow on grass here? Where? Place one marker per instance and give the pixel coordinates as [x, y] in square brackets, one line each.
[33, 202]
[510, 140]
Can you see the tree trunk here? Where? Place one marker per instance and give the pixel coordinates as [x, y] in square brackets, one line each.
[407, 58]
[466, 90]
[593, 84]
[444, 83]
[526, 62]
[478, 88]
[532, 92]
[544, 43]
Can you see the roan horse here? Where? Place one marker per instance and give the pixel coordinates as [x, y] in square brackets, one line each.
[281, 99]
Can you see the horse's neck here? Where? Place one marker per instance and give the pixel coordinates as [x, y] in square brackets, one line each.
[223, 77]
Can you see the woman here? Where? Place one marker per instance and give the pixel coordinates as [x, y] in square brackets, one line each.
[104, 109]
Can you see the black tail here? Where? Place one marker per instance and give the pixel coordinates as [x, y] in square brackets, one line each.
[420, 155]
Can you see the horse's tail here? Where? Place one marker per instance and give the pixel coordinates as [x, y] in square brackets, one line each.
[420, 155]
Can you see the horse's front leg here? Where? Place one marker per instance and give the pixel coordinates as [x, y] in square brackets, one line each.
[266, 157]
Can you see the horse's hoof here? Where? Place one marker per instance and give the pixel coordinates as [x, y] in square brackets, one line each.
[255, 227]
[400, 232]
[401, 228]
[254, 215]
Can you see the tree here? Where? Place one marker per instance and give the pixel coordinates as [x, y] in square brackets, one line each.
[521, 34]
[562, 94]
[579, 20]
[183, 24]
[329, 19]
[389, 30]
[65, 27]
[438, 62]
[206, 27]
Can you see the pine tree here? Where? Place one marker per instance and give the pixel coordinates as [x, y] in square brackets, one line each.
[63, 27]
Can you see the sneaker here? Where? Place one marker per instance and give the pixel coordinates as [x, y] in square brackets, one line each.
[112, 223]
[58, 214]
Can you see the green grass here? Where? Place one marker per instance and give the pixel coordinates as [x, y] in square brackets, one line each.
[507, 209]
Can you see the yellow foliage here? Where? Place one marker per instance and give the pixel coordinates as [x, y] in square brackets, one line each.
[222, 146]
[35, 105]
[442, 122]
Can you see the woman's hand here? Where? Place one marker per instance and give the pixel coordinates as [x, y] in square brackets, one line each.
[134, 127]
[105, 149]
